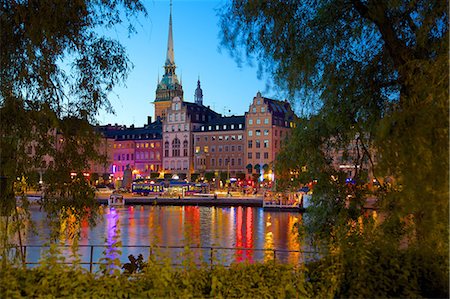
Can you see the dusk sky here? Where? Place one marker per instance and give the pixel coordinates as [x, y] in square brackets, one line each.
[226, 86]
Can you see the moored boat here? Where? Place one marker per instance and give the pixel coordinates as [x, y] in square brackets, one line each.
[116, 200]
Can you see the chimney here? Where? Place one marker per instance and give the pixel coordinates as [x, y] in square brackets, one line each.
[149, 120]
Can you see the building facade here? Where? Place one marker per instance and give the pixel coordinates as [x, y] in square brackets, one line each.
[183, 118]
[219, 146]
[268, 124]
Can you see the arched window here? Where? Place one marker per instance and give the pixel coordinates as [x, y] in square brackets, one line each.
[166, 149]
[176, 147]
[185, 148]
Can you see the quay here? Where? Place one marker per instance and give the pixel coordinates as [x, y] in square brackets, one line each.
[190, 201]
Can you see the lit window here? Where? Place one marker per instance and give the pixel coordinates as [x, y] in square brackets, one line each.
[205, 149]
[197, 149]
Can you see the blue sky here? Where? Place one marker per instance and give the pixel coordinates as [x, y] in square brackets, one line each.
[226, 86]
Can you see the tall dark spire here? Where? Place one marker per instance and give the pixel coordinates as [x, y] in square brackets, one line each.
[198, 96]
[170, 57]
[169, 86]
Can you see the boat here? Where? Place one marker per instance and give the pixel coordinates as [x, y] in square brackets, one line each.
[116, 200]
[292, 202]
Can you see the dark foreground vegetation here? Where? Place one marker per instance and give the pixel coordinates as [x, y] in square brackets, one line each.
[385, 276]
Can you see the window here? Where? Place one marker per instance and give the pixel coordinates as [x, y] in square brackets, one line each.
[118, 157]
[213, 138]
[226, 148]
[263, 109]
[185, 148]
[217, 127]
[202, 128]
[205, 149]
[249, 155]
[170, 117]
[258, 102]
[166, 149]
[220, 148]
[239, 137]
[197, 149]
[213, 149]
[227, 137]
[176, 147]
[152, 145]
[239, 162]
[220, 138]
[232, 161]
[209, 128]
[224, 127]
[266, 155]
[258, 155]
[258, 121]
[250, 133]
[206, 138]
[266, 121]
[197, 139]
[232, 127]
[254, 110]
[232, 148]
[240, 126]
[220, 162]
[176, 116]
[233, 137]
[266, 143]
[239, 148]
[266, 132]
[213, 162]
[250, 143]
[250, 121]
[146, 145]
[257, 144]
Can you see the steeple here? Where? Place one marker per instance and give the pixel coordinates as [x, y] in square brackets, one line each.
[169, 86]
[198, 96]
[170, 56]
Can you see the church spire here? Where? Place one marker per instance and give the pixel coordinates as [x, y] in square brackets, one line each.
[170, 57]
[198, 96]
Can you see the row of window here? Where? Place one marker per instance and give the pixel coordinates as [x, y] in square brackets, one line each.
[226, 162]
[258, 133]
[258, 121]
[176, 165]
[147, 145]
[258, 143]
[178, 128]
[176, 145]
[263, 109]
[223, 127]
[221, 138]
[258, 155]
[147, 155]
[176, 117]
[220, 148]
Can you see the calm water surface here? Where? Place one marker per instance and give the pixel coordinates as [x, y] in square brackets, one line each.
[231, 227]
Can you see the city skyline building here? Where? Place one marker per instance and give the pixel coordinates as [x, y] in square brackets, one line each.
[169, 86]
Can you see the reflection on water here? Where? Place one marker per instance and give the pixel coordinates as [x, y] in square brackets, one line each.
[237, 231]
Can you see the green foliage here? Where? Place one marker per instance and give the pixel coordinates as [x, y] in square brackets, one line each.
[372, 78]
[46, 114]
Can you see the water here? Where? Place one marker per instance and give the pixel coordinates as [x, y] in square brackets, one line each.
[227, 228]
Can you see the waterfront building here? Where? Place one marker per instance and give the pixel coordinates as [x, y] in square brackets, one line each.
[169, 86]
[183, 118]
[136, 148]
[268, 124]
[219, 146]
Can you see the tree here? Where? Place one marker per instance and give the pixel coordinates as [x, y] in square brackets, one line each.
[56, 71]
[373, 74]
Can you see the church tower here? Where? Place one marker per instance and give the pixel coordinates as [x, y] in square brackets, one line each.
[169, 86]
[198, 96]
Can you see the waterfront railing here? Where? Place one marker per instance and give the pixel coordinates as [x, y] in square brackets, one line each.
[92, 256]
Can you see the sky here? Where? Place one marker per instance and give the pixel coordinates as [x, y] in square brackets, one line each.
[227, 88]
